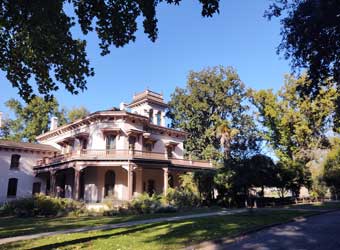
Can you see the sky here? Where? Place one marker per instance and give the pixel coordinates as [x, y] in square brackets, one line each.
[239, 37]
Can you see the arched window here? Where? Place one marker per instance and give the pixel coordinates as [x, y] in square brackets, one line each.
[159, 118]
[110, 180]
[15, 159]
[12, 187]
[151, 115]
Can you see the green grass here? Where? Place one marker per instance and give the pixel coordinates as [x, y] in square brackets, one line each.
[317, 205]
[160, 236]
[11, 226]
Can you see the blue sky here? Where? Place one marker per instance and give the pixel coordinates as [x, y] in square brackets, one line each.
[239, 36]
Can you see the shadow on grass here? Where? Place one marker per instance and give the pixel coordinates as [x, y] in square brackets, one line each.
[91, 238]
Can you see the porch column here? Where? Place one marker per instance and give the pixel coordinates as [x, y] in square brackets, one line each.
[130, 181]
[53, 183]
[76, 182]
[166, 180]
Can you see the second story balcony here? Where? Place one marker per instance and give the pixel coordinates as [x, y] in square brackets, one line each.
[116, 154]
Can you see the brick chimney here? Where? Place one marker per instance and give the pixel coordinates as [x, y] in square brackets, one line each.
[54, 123]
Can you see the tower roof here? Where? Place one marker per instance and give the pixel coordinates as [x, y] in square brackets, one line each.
[147, 96]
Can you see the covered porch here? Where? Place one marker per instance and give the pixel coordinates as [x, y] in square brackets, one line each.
[95, 182]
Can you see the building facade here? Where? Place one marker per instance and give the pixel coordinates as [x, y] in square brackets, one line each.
[17, 177]
[116, 153]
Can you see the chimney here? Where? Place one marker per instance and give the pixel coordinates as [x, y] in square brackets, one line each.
[122, 106]
[0, 119]
[54, 123]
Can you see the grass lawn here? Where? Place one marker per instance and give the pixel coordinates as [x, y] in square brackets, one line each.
[160, 236]
[318, 205]
[11, 226]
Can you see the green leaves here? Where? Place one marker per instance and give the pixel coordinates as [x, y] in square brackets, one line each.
[30, 120]
[310, 38]
[293, 125]
[33, 119]
[213, 109]
[36, 42]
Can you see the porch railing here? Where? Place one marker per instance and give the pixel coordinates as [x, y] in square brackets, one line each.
[115, 154]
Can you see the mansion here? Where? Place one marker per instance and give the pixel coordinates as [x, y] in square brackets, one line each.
[116, 153]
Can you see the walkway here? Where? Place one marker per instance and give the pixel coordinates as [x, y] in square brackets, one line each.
[120, 225]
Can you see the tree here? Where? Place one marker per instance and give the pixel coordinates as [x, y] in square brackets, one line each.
[295, 127]
[77, 113]
[213, 110]
[331, 173]
[36, 42]
[261, 171]
[310, 38]
[30, 120]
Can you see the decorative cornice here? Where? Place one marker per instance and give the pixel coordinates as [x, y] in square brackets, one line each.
[115, 114]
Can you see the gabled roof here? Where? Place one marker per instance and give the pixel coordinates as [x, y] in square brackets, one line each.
[27, 145]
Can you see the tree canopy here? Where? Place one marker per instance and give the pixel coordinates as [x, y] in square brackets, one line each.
[76, 113]
[213, 110]
[30, 120]
[295, 127]
[36, 40]
[33, 119]
[311, 39]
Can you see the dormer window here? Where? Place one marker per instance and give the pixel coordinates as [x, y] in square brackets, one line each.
[151, 115]
[15, 160]
[159, 118]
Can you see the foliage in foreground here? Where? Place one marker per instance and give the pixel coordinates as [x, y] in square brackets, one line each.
[310, 38]
[37, 43]
[41, 205]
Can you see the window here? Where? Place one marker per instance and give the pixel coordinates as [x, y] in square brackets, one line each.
[151, 187]
[169, 150]
[159, 118]
[110, 142]
[84, 144]
[15, 159]
[132, 142]
[151, 115]
[148, 147]
[110, 180]
[171, 181]
[12, 187]
[36, 188]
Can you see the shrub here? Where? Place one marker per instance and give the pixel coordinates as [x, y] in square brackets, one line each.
[167, 209]
[182, 198]
[42, 205]
[145, 204]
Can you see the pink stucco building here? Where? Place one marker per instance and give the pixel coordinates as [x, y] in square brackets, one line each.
[117, 152]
